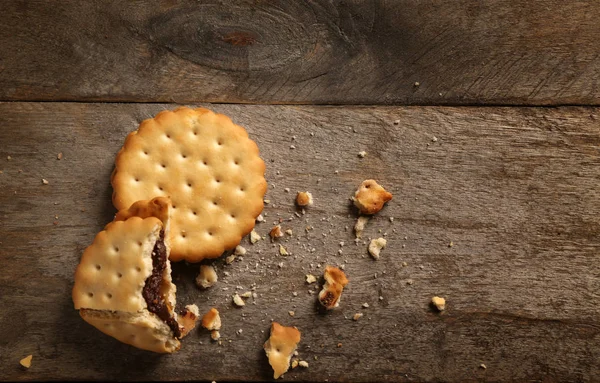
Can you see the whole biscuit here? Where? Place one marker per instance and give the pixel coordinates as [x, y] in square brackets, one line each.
[210, 169]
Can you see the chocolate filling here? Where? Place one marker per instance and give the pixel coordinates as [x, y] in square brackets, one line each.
[155, 300]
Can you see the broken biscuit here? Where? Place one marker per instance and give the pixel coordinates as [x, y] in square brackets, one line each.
[187, 320]
[439, 303]
[335, 281]
[375, 247]
[207, 277]
[370, 197]
[304, 199]
[212, 320]
[280, 347]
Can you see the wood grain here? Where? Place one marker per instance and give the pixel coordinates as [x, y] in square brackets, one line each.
[514, 190]
[302, 52]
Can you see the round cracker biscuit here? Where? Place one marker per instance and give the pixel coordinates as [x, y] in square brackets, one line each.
[210, 169]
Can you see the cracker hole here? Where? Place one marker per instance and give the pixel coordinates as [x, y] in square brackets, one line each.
[367, 186]
[138, 269]
[182, 235]
[215, 203]
[109, 295]
[232, 216]
[236, 162]
[145, 152]
[91, 295]
[98, 267]
[168, 135]
[119, 275]
[160, 188]
[174, 207]
[184, 156]
[189, 184]
[218, 180]
[163, 166]
[195, 133]
[194, 213]
[219, 142]
[116, 249]
[137, 179]
[140, 244]
[242, 188]
[209, 233]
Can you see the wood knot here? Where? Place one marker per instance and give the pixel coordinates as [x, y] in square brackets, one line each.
[239, 39]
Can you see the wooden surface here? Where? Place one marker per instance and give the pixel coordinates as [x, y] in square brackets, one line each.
[514, 189]
[508, 52]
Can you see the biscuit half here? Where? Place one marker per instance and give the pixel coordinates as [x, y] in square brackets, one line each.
[210, 169]
[123, 282]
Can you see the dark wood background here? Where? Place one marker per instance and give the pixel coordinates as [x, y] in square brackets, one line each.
[497, 150]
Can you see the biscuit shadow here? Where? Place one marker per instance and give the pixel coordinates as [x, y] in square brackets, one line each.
[98, 356]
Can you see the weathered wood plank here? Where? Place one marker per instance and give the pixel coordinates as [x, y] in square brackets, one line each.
[305, 52]
[514, 189]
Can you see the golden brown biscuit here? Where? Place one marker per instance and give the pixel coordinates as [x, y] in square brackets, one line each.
[210, 169]
[370, 197]
[280, 347]
[123, 285]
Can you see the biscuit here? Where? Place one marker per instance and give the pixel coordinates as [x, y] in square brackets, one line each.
[280, 347]
[370, 197]
[210, 169]
[123, 284]
[335, 281]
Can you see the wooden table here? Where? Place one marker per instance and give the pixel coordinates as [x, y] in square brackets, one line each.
[480, 116]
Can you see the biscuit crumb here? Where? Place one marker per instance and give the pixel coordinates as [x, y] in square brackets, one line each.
[8, 158]
[289, 232]
[365, 305]
[310, 279]
[59, 156]
[303, 363]
[357, 316]
[45, 181]
[434, 139]
[215, 335]
[483, 366]
[276, 232]
[362, 154]
[229, 259]
[376, 246]
[304, 199]
[283, 251]
[207, 277]
[291, 313]
[188, 319]
[254, 237]
[451, 244]
[260, 218]
[212, 320]
[439, 303]
[294, 363]
[239, 250]
[335, 281]
[370, 197]
[26, 361]
[280, 347]
[391, 219]
[238, 301]
[361, 222]
[247, 294]
[339, 345]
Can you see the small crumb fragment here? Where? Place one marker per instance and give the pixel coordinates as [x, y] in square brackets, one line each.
[482, 366]
[188, 319]
[339, 345]
[283, 251]
[310, 278]
[361, 222]
[289, 232]
[451, 244]
[391, 219]
[365, 305]
[417, 83]
[247, 294]
[260, 218]
[439, 303]
[357, 316]
[229, 259]
[294, 363]
[303, 363]
[404, 264]
[238, 301]
[409, 281]
[45, 181]
[434, 139]
[59, 156]
[362, 154]
[26, 361]
[212, 320]
[370, 197]
[291, 313]
[276, 232]
[376, 246]
[8, 158]
[254, 237]
[304, 199]
[239, 250]
[207, 277]
[215, 335]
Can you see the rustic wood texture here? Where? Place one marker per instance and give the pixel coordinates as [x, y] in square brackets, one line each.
[306, 52]
[514, 190]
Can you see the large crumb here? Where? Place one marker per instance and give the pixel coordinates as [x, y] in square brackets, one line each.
[280, 347]
[375, 247]
[303, 363]
[254, 237]
[439, 303]
[361, 222]
[283, 251]
[370, 197]
[207, 277]
[304, 199]
[239, 250]
[212, 320]
[188, 319]
[238, 301]
[335, 281]
[310, 278]
[26, 361]
[276, 232]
